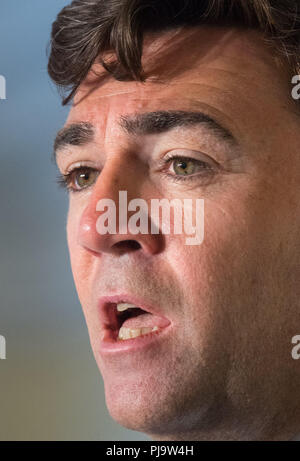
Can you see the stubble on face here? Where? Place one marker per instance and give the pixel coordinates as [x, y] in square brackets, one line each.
[225, 372]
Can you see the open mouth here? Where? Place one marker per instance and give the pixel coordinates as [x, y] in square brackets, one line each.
[128, 321]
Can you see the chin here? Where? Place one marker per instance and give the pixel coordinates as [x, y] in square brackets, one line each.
[167, 413]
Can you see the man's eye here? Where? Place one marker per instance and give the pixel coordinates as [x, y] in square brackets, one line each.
[183, 166]
[79, 178]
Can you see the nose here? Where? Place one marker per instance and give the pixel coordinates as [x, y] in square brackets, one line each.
[117, 180]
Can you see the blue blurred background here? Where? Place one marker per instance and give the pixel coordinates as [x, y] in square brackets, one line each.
[50, 387]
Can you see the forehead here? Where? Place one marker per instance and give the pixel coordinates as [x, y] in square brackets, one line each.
[226, 69]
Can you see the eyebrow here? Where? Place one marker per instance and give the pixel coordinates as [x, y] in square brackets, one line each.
[76, 134]
[82, 133]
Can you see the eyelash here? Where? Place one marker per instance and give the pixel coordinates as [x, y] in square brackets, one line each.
[65, 180]
[208, 170]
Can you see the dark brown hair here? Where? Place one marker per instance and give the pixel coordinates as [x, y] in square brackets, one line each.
[85, 29]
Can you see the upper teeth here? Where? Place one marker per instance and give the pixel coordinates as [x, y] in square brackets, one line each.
[124, 306]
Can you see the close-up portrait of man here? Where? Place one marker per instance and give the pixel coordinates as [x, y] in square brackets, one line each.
[196, 103]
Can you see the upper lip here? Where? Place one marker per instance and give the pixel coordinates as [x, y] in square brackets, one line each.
[107, 314]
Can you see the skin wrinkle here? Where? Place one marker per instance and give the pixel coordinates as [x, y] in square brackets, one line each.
[225, 371]
[142, 124]
[219, 96]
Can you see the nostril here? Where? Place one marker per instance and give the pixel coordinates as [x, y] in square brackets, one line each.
[128, 245]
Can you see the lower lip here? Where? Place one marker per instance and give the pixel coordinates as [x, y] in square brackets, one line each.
[110, 345]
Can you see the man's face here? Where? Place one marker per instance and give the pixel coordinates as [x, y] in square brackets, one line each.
[226, 309]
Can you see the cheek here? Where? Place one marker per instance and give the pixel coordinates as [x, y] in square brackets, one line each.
[207, 272]
[78, 256]
[72, 242]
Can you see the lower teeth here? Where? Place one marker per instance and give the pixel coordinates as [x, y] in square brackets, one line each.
[129, 333]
